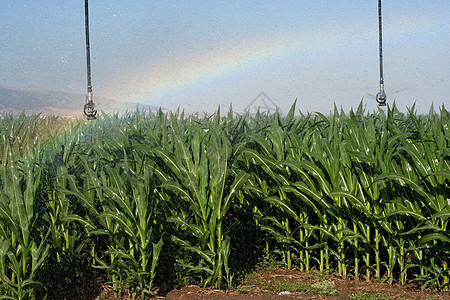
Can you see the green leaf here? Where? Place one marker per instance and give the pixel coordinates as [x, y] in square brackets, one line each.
[353, 199]
[403, 210]
[284, 206]
[433, 237]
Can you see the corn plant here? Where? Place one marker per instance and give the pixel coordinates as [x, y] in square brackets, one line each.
[120, 206]
[18, 132]
[198, 170]
[365, 194]
[23, 247]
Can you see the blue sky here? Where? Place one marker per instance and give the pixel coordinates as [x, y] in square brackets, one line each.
[202, 54]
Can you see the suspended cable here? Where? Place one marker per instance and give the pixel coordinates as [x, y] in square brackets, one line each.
[88, 110]
[381, 96]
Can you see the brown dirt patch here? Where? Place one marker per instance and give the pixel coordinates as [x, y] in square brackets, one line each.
[263, 286]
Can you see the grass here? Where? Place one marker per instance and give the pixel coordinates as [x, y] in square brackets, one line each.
[369, 295]
[324, 287]
[257, 282]
[280, 285]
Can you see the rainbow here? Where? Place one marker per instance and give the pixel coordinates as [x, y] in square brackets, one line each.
[162, 79]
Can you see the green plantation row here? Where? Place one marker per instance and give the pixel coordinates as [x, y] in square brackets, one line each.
[146, 199]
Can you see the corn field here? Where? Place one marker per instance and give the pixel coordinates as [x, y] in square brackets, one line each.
[149, 198]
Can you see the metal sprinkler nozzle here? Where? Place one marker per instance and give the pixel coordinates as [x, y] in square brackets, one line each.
[89, 111]
[381, 96]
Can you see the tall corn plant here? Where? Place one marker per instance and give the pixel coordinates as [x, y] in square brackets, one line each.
[23, 246]
[273, 157]
[367, 193]
[262, 157]
[323, 187]
[196, 167]
[419, 209]
[18, 132]
[334, 170]
[367, 140]
[117, 193]
[69, 261]
[392, 162]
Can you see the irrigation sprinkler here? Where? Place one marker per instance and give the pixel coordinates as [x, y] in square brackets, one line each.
[89, 111]
[381, 96]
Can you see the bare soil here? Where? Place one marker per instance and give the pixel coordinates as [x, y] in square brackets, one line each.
[261, 286]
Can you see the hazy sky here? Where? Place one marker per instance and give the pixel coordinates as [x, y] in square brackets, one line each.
[201, 54]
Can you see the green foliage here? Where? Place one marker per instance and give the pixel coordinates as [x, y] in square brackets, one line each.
[367, 295]
[284, 285]
[324, 287]
[150, 197]
[280, 285]
[23, 246]
[19, 132]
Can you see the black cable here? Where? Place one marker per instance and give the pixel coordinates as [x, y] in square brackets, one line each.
[381, 96]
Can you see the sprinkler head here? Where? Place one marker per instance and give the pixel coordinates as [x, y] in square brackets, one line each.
[381, 98]
[89, 111]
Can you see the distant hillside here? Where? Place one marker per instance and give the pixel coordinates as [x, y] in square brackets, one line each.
[47, 102]
[36, 100]
[17, 99]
